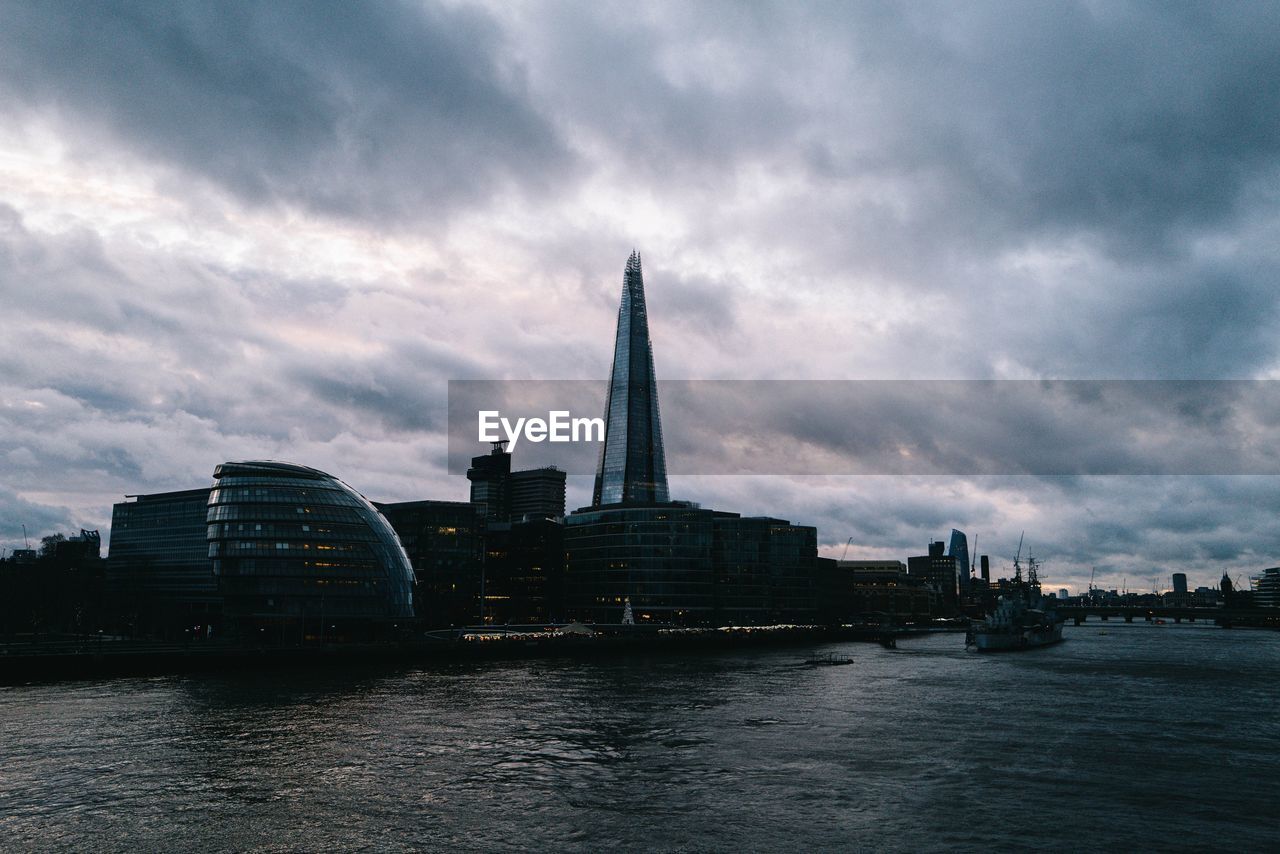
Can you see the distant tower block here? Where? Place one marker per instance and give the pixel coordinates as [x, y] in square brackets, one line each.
[1179, 582]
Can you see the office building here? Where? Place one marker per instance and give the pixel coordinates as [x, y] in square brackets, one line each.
[764, 570]
[444, 542]
[939, 571]
[158, 577]
[658, 556]
[1266, 588]
[523, 572]
[959, 549]
[1179, 582]
[871, 591]
[537, 494]
[301, 557]
[632, 467]
[506, 496]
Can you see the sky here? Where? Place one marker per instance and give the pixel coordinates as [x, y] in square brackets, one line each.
[277, 230]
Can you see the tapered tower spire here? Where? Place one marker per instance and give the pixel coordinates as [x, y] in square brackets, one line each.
[633, 468]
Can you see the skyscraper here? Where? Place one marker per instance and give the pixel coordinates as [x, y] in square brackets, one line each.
[632, 468]
[959, 549]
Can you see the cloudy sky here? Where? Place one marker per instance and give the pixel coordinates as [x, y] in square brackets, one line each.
[277, 230]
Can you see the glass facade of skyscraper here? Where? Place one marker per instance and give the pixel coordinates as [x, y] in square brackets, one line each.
[658, 556]
[633, 468]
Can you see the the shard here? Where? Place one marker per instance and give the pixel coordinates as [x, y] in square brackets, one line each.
[632, 469]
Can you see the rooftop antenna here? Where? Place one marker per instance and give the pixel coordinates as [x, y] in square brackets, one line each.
[25, 543]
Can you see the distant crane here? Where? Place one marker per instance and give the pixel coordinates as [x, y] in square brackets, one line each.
[845, 553]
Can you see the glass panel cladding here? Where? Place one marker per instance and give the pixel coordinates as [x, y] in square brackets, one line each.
[292, 544]
[632, 467]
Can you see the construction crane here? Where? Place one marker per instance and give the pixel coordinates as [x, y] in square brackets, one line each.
[845, 553]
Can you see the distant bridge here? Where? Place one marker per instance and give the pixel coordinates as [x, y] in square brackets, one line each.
[1252, 617]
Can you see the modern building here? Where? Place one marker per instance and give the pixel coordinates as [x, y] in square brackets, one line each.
[523, 572]
[444, 542]
[867, 590]
[506, 496]
[633, 468]
[939, 571]
[158, 576]
[301, 557]
[490, 476]
[657, 556]
[765, 570]
[959, 549]
[1266, 588]
[675, 562]
[1179, 582]
[537, 494]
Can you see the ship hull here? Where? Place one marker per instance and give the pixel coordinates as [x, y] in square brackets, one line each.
[1024, 639]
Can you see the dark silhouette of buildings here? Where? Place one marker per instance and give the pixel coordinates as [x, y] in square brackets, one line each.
[523, 572]
[300, 555]
[507, 496]
[633, 468]
[939, 571]
[57, 590]
[880, 590]
[444, 541]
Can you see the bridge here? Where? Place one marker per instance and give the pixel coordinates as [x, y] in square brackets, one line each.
[1227, 617]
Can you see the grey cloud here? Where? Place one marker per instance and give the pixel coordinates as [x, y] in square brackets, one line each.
[390, 112]
[39, 519]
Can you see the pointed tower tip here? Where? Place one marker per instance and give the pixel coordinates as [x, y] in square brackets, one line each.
[633, 262]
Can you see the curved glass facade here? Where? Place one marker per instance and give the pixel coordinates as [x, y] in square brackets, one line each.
[299, 552]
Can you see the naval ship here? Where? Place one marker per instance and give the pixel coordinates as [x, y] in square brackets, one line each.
[1022, 619]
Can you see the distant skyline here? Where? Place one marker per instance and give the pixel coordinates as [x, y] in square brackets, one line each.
[276, 230]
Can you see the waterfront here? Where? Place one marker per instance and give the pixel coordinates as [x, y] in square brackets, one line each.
[1145, 736]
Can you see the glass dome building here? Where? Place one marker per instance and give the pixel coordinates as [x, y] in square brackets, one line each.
[301, 557]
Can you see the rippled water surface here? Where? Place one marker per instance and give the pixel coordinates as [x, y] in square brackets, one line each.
[1143, 737]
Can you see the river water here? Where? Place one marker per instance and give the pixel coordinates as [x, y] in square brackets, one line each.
[1122, 737]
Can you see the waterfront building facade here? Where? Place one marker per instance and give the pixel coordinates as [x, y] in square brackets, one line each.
[302, 557]
[659, 556]
[1266, 588]
[765, 570]
[523, 572]
[871, 590]
[444, 542]
[158, 575]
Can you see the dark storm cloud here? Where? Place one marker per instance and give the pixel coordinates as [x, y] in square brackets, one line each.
[387, 111]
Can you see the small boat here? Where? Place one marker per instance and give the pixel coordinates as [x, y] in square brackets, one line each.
[827, 659]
